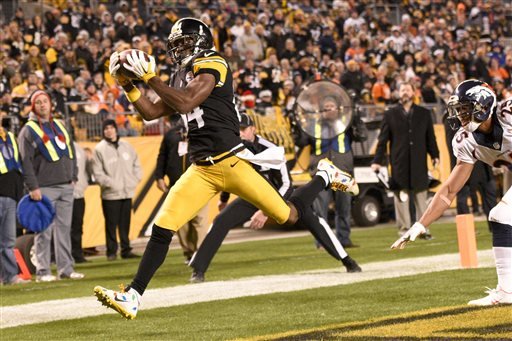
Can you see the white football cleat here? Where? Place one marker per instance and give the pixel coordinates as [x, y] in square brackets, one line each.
[496, 296]
[338, 179]
[125, 303]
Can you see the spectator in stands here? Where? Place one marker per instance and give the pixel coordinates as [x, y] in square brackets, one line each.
[89, 21]
[49, 168]
[410, 131]
[34, 61]
[501, 92]
[249, 41]
[277, 39]
[479, 69]
[84, 163]
[352, 79]
[429, 91]
[497, 71]
[57, 93]
[22, 89]
[11, 190]
[381, 92]
[117, 170]
[264, 102]
[172, 162]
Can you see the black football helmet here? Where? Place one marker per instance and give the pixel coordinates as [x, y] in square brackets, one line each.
[472, 103]
[188, 37]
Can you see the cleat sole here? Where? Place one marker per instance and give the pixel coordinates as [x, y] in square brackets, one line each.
[106, 301]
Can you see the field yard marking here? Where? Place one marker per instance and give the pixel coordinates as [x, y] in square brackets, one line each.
[72, 308]
[438, 323]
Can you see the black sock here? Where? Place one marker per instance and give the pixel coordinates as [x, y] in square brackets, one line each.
[303, 197]
[153, 257]
[311, 222]
[501, 234]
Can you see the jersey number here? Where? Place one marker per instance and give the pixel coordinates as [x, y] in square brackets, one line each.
[462, 136]
[197, 115]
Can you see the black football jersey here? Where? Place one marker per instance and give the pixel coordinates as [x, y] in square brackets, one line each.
[213, 127]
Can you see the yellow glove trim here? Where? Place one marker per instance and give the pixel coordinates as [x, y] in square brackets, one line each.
[148, 76]
[133, 95]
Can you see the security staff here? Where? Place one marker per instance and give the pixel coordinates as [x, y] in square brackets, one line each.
[50, 169]
[11, 190]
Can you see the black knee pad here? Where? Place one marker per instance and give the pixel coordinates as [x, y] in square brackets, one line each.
[501, 234]
[160, 235]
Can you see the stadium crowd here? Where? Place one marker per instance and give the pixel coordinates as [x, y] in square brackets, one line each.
[271, 46]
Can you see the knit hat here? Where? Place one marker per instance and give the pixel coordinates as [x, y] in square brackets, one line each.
[109, 122]
[34, 97]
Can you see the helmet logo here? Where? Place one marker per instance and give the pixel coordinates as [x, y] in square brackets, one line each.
[480, 92]
[200, 30]
[176, 29]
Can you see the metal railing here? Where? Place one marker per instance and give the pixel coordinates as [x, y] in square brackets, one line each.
[85, 120]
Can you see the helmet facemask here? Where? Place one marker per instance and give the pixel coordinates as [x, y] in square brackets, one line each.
[183, 48]
[465, 114]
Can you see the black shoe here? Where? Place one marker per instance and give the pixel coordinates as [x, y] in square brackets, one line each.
[130, 255]
[90, 251]
[81, 260]
[351, 265]
[197, 277]
[111, 257]
[349, 245]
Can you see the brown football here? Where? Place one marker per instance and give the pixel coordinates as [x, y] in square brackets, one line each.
[122, 60]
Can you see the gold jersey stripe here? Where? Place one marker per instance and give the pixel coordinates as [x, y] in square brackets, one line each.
[211, 58]
[217, 65]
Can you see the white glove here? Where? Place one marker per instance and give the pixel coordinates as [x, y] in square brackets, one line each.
[114, 64]
[409, 236]
[137, 64]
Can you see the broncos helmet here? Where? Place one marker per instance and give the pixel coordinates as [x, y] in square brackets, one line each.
[472, 103]
[188, 37]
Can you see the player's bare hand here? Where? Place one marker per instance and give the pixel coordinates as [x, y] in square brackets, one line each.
[375, 167]
[258, 220]
[409, 236]
[222, 205]
[160, 183]
[36, 195]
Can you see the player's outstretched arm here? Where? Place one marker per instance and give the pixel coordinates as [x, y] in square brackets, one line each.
[441, 201]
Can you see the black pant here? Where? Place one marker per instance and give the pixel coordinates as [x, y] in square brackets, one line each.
[238, 212]
[77, 222]
[117, 214]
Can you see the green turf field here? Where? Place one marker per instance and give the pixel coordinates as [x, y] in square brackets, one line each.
[426, 306]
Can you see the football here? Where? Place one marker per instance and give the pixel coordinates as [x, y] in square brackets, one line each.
[122, 60]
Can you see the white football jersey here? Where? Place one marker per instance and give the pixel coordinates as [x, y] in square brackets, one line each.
[495, 148]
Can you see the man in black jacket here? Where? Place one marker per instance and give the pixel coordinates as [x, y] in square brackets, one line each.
[410, 131]
[239, 211]
[172, 162]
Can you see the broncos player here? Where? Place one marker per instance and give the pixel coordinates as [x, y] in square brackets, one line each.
[202, 89]
[485, 135]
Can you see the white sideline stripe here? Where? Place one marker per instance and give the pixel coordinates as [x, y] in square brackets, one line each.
[73, 308]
